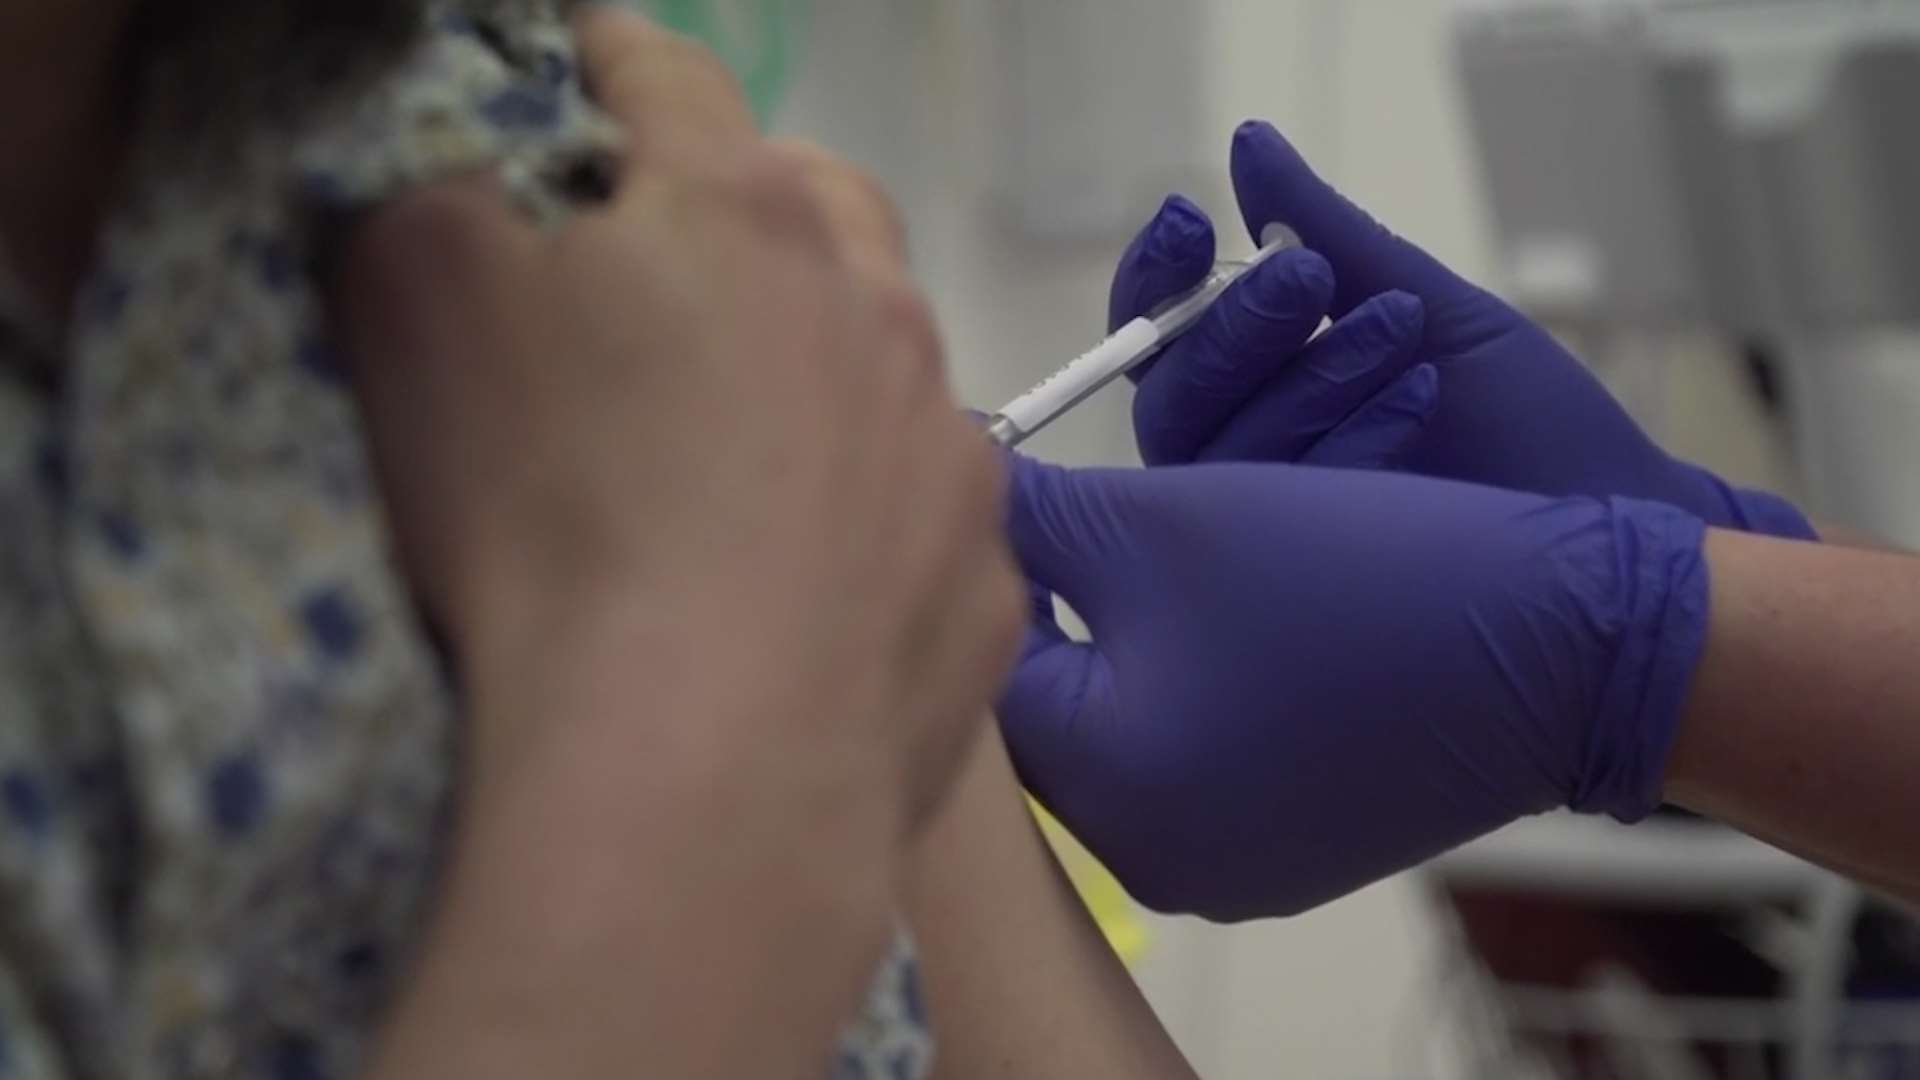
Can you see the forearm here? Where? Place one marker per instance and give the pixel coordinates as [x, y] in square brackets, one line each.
[1803, 724]
[1019, 979]
[666, 918]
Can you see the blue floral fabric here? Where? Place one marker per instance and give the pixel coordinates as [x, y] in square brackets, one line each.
[226, 748]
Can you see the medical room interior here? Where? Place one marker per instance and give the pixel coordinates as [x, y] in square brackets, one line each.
[1702, 197]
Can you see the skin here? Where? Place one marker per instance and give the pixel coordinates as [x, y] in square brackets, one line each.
[1019, 981]
[560, 635]
[747, 666]
[1022, 983]
[1800, 727]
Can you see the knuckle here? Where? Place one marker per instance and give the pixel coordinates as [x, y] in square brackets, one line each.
[607, 34]
[701, 63]
[907, 313]
[776, 192]
[829, 168]
[603, 30]
[801, 154]
[1007, 616]
[765, 172]
[861, 205]
[983, 490]
[697, 82]
[617, 48]
[653, 78]
[902, 302]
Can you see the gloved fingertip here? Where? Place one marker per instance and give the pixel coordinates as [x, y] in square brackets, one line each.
[1173, 251]
[1268, 177]
[1421, 390]
[1405, 311]
[1427, 376]
[1379, 432]
[1260, 137]
[1179, 230]
[1292, 282]
[1410, 399]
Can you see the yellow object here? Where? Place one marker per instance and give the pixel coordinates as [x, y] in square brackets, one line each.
[1109, 904]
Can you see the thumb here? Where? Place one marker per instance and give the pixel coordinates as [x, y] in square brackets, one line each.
[1172, 253]
[1061, 692]
[1058, 698]
[1058, 524]
[1274, 184]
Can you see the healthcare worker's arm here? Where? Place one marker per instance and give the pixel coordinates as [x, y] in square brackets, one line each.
[1803, 726]
[1302, 680]
[1019, 980]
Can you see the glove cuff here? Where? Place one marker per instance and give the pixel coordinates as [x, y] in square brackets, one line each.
[1661, 581]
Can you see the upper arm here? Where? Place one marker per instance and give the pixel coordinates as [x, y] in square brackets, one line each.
[1019, 980]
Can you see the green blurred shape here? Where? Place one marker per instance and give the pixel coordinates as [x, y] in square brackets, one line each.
[758, 39]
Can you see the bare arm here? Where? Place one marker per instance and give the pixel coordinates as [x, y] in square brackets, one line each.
[1019, 979]
[663, 917]
[1804, 723]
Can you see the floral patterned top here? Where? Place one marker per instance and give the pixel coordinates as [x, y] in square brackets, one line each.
[225, 744]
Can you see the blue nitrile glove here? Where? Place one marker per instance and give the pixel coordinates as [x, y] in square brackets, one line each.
[1252, 340]
[1302, 680]
[1510, 407]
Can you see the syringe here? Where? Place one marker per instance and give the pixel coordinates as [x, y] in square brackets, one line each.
[1127, 348]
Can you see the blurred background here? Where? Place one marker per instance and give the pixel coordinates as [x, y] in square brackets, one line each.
[1709, 200]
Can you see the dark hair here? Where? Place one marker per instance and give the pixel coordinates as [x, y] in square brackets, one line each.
[202, 65]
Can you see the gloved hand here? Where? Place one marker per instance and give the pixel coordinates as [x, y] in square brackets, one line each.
[1255, 340]
[1509, 406]
[1302, 680]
